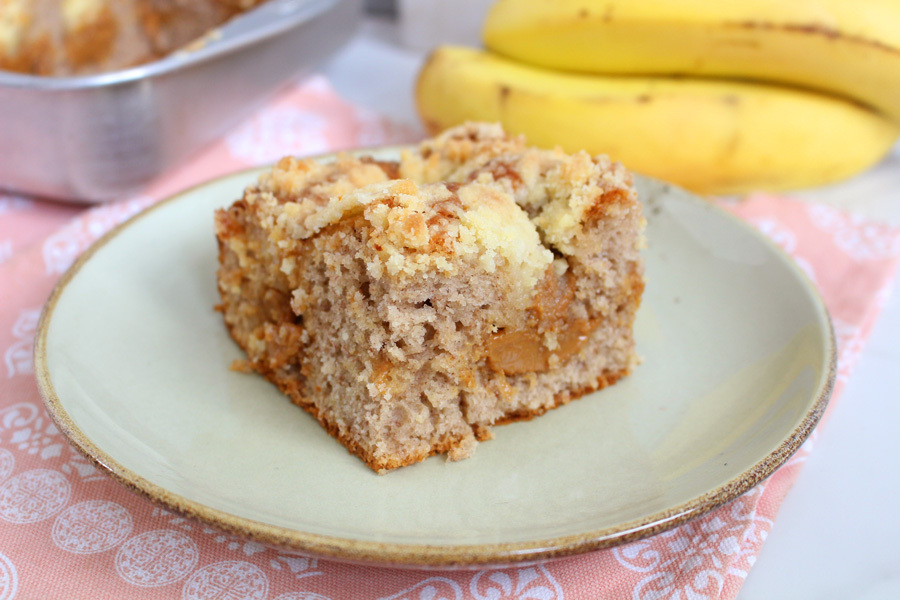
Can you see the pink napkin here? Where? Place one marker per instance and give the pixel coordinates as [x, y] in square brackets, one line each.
[67, 531]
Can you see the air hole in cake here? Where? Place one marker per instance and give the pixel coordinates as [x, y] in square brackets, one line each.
[399, 416]
[464, 404]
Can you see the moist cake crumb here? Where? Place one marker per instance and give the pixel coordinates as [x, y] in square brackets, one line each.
[411, 305]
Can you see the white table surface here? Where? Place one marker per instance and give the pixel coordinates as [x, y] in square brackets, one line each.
[837, 535]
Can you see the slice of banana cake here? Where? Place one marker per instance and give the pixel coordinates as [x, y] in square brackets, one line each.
[411, 305]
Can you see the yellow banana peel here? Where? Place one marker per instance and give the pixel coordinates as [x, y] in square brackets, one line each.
[851, 49]
[711, 136]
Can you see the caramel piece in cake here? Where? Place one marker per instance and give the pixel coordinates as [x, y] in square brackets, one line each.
[410, 306]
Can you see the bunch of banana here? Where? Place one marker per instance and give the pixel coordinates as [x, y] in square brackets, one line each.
[720, 97]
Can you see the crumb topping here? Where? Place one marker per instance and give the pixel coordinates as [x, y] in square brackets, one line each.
[68, 37]
[77, 13]
[560, 192]
[459, 149]
[13, 20]
[416, 229]
[473, 192]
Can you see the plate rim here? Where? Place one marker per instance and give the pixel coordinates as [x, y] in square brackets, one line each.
[406, 555]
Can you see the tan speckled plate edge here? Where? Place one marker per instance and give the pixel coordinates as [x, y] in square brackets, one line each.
[416, 555]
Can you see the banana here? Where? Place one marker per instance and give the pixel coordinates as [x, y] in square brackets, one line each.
[711, 136]
[851, 49]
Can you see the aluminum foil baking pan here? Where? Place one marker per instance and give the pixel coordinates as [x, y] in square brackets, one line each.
[101, 137]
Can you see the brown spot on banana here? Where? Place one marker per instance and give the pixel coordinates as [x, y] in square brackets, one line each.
[814, 29]
[608, 13]
[739, 43]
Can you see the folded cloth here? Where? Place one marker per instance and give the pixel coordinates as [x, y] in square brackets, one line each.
[67, 531]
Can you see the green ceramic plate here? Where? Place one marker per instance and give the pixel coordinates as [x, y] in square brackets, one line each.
[132, 362]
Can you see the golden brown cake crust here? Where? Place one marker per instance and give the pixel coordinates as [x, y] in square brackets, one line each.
[490, 283]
